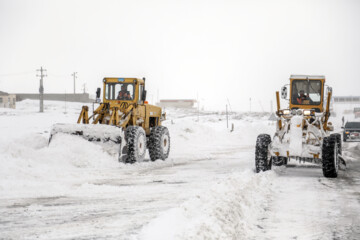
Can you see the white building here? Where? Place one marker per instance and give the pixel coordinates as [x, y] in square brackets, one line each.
[177, 103]
[7, 100]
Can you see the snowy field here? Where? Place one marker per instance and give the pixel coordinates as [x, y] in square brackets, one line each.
[206, 189]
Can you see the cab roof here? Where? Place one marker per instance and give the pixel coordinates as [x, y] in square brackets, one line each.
[305, 77]
[121, 79]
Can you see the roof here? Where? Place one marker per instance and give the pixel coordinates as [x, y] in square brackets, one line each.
[3, 93]
[307, 77]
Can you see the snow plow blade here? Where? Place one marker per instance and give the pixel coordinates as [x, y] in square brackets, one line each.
[342, 164]
[111, 138]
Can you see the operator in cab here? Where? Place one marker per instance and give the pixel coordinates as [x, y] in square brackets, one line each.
[124, 94]
[301, 97]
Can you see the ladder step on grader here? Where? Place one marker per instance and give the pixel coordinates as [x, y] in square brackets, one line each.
[124, 123]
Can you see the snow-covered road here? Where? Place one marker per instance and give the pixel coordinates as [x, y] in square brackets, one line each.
[205, 190]
[305, 205]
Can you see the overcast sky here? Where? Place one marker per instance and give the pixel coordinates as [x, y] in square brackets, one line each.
[218, 50]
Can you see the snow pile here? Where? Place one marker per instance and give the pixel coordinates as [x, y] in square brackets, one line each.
[351, 151]
[229, 210]
[203, 137]
[30, 167]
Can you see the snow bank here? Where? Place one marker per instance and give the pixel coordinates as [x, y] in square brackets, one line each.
[31, 168]
[229, 210]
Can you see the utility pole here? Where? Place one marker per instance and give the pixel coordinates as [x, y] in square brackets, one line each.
[65, 102]
[198, 106]
[229, 105]
[250, 104]
[84, 88]
[227, 117]
[74, 75]
[41, 89]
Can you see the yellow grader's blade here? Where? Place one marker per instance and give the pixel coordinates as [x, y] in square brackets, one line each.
[111, 138]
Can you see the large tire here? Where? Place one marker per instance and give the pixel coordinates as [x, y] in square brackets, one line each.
[159, 143]
[262, 157]
[279, 161]
[330, 160]
[136, 144]
[338, 140]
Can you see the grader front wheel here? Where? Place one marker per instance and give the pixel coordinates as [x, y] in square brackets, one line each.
[262, 156]
[330, 156]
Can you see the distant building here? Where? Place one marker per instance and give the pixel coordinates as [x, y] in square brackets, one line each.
[7, 100]
[177, 103]
[69, 97]
[347, 99]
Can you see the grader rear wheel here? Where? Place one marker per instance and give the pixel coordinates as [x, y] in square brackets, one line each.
[159, 143]
[136, 144]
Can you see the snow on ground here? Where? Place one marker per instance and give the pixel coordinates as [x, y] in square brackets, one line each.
[230, 209]
[205, 190]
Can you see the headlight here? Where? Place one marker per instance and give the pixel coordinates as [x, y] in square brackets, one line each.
[307, 112]
[286, 112]
[299, 112]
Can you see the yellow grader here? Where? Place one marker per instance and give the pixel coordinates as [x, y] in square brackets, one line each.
[124, 123]
[303, 130]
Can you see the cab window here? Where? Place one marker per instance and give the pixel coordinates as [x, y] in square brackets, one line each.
[119, 91]
[306, 92]
[141, 89]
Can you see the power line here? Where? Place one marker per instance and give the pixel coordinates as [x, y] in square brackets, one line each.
[15, 74]
[58, 75]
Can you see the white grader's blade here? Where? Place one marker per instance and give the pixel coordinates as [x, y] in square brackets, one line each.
[342, 164]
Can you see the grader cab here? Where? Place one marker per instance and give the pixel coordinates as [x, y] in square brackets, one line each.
[303, 130]
[124, 123]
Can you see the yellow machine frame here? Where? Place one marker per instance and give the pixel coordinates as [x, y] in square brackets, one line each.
[123, 113]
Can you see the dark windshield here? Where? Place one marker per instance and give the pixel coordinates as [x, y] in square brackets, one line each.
[119, 91]
[306, 92]
[352, 125]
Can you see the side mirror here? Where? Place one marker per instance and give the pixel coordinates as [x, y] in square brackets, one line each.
[328, 89]
[98, 90]
[143, 97]
[284, 92]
